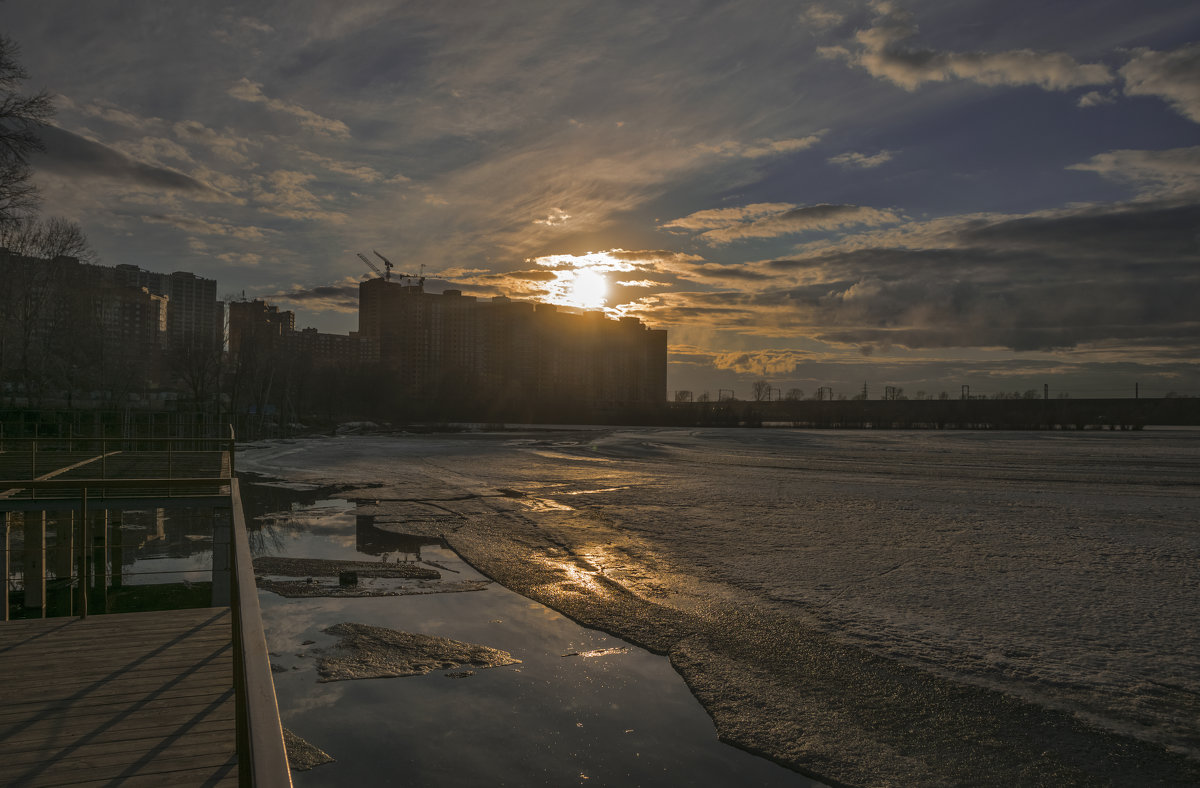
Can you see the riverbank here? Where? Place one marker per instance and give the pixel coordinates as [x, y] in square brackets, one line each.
[578, 524]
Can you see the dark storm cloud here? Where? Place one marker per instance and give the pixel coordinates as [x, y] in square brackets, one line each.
[1135, 233]
[72, 155]
[337, 298]
[1126, 273]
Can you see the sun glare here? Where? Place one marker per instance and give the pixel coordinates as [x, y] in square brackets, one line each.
[582, 281]
[589, 289]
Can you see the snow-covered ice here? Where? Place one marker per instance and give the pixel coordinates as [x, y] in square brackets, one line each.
[1059, 568]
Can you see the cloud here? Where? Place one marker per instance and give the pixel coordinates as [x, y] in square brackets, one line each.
[283, 193]
[69, 154]
[1087, 278]
[769, 220]
[111, 113]
[1095, 98]
[862, 160]
[359, 172]
[338, 297]
[1055, 279]
[1172, 76]
[557, 216]
[882, 51]
[763, 147]
[761, 363]
[642, 283]
[202, 226]
[819, 17]
[1158, 173]
[245, 90]
[226, 145]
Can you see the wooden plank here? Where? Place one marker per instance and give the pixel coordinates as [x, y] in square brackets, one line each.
[212, 732]
[224, 777]
[108, 655]
[167, 772]
[113, 692]
[129, 706]
[32, 739]
[143, 699]
[201, 748]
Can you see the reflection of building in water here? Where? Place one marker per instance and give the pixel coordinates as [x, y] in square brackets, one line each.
[161, 533]
[373, 540]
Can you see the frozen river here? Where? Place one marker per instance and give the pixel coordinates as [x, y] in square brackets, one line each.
[871, 607]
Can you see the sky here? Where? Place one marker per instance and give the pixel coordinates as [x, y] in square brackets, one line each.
[923, 194]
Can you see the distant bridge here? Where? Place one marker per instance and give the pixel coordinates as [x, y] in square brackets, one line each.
[1022, 414]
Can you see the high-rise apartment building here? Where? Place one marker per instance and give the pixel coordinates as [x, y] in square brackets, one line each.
[258, 324]
[445, 346]
[194, 315]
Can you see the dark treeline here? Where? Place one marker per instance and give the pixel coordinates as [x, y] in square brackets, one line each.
[282, 391]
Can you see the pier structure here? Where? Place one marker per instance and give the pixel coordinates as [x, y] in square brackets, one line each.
[157, 697]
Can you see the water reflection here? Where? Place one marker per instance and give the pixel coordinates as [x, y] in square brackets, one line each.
[615, 715]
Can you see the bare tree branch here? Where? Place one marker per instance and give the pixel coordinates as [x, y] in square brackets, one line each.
[21, 117]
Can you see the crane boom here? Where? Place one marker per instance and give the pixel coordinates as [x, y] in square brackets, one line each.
[386, 263]
[372, 265]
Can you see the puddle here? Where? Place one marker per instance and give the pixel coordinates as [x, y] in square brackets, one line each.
[610, 714]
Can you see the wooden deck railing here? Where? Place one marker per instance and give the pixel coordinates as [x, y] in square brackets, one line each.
[262, 757]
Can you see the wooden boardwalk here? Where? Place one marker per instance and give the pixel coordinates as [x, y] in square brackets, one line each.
[131, 699]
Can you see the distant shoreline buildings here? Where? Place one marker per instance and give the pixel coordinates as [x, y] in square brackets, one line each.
[458, 353]
[78, 331]
[71, 326]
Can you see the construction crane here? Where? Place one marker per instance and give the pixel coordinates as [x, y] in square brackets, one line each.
[387, 264]
[386, 274]
[374, 267]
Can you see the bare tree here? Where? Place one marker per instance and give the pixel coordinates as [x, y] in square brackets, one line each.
[196, 365]
[683, 395]
[20, 116]
[761, 390]
[47, 239]
[794, 394]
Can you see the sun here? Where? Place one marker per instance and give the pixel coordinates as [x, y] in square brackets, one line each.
[588, 289]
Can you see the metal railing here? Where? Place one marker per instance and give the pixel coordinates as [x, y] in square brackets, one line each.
[262, 755]
[259, 730]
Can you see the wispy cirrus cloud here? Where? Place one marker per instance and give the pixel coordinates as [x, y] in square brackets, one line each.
[245, 90]
[763, 147]
[863, 161]
[210, 226]
[769, 220]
